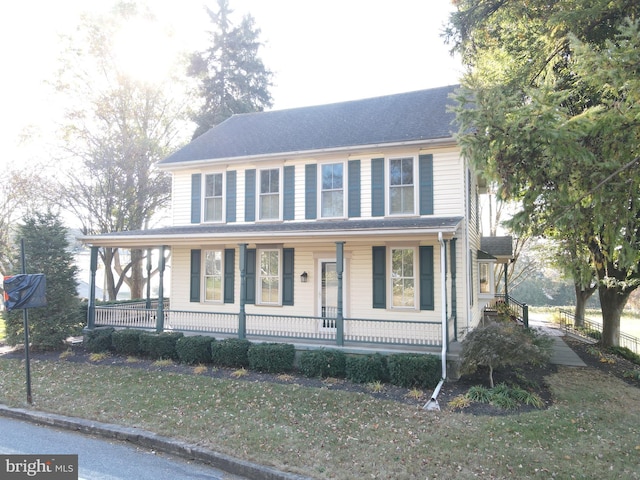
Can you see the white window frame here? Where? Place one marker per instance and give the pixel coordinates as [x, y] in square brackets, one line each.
[388, 185]
[205, 276]
[222, 197]
[259, 195]
[489, 265]
[416, 278]
[342, 214]
[259, 299]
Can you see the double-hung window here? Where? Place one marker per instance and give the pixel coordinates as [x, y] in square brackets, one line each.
[269, 277]
[269, 194]
[401, 186]
[213, 276]
[332, 190]
[403, 279]
[213, 197]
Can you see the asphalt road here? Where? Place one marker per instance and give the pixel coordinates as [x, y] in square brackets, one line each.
[100, 459]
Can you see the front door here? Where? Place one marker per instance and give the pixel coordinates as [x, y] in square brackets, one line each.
[328, 294]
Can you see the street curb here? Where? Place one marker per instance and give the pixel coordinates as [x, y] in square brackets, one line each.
[234, 466]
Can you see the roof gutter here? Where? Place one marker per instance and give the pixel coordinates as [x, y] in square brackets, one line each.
[178, 165]
[432, 404]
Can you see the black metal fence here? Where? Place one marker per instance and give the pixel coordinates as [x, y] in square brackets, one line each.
[593, 329]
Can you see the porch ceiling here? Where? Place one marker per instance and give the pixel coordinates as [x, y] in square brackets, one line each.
[299, 232]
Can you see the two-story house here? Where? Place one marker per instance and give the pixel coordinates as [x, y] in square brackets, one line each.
[352, 225]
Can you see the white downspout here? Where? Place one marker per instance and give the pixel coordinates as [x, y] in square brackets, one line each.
[432, 404]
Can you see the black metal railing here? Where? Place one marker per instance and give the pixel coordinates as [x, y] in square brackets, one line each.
[515, 308]
[592, 329]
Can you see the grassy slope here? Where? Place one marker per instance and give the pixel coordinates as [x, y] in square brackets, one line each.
[592, 431]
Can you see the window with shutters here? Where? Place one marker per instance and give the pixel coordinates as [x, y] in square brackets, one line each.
[269, 194]
[213, 197]
[332, 190]
[213, 275]
[269, 277]
[403, 280]
[402, 186]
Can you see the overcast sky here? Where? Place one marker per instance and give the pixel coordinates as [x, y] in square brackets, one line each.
[320, 51]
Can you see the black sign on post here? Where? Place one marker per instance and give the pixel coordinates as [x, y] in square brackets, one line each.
[25, 291]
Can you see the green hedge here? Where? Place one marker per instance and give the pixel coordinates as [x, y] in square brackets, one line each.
[194, 349]
[127, 341]
[272, 357]
[231, 352]
[414, 370]
[367, 368]
[98, 340]
[160, 346]
[323, 363]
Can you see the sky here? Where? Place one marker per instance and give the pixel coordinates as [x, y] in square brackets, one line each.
[320, 51]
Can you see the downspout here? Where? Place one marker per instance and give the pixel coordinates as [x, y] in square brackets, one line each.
[432, 404]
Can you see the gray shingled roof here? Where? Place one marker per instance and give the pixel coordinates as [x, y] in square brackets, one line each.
[404, 117]
[497, 246]
[283, 229]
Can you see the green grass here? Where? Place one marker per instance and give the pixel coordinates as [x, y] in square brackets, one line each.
[593, 427]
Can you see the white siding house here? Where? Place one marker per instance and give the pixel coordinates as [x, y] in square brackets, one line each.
[352, 225]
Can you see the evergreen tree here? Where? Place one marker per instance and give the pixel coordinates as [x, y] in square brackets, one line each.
[47, 251]
[232, 77]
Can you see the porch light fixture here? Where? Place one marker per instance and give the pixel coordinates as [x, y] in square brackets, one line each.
[303, 277]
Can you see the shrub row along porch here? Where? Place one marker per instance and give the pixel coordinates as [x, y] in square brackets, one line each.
[316, 330]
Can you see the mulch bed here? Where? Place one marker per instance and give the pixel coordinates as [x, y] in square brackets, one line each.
[592, 355]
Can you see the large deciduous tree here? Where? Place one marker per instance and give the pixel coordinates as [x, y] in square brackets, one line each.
[550, 108]
[232, 78]
[116, 128]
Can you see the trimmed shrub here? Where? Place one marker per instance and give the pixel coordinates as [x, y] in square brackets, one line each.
[194, 349]
[272, 357]
[231, 352]
[367, 368]
[127, 342]
[160, 346]
[626, 353]
[98, 340]
[414, 370]
[323, 363]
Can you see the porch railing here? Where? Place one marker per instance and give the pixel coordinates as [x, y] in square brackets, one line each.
[314, 329]
[593, 329]
[520, 310]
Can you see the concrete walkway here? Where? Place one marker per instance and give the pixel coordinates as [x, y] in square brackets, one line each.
[562, 354]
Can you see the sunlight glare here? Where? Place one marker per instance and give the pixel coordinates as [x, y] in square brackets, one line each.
[143, 51]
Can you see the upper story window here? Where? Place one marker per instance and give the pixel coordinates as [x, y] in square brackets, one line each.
[213, 276]
[332, 190]
[269, 194]
[403, 279]
[269, 277]
[213, 197]
[401, 186]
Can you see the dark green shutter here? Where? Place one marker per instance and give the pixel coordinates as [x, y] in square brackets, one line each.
[229, 274]
[426, 279]
[354, 188]
[287, 276]
[377, 187]
[250, 276]
[231, 196]
[426, 184]
[311, 191]
[379, 255]
[288, 197]
[196, 200]
[194, 290]
[472, 266]
[249, 195]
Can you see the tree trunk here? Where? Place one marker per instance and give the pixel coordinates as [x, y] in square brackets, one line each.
[136, 282]
[612, 301]
[582, 296]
